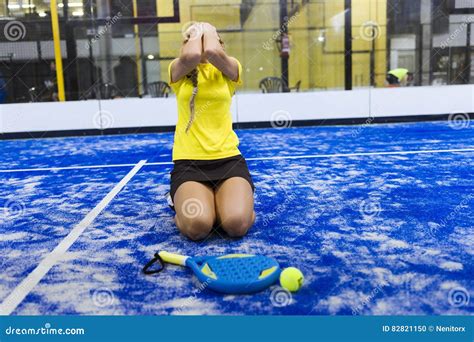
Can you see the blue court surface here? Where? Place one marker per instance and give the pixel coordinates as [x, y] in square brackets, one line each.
[379, 218]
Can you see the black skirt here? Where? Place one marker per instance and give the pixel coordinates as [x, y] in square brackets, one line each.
[209, 172]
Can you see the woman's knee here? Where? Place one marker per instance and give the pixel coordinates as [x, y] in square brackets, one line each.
[197, 228]
[237, 224]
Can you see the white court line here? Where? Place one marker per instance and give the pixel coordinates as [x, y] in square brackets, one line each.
[24, 288]
[388, 153]
[68, 168]
[307, 156]
[79, 167]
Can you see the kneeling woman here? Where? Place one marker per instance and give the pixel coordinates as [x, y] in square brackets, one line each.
[210, 183]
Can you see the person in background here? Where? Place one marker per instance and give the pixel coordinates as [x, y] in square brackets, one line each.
[399, 78]
[125, 73]
[3, 89]
[50, 85]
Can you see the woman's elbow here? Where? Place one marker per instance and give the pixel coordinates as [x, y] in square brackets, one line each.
[212, 53]
[191, 59]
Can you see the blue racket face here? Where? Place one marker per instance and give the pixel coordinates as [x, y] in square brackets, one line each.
[236, 273]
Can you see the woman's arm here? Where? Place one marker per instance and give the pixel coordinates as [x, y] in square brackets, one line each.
[216, 55]
[190, 54]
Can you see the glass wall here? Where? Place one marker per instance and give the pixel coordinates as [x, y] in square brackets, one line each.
[115, 48]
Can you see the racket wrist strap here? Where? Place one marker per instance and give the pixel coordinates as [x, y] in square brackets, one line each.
[157, 259]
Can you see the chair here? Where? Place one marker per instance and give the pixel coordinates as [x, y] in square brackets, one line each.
[275, 85]
[41, 94]
[102, 91]
[271, 85]
[296, 87]
[158, 89]
[33, 94]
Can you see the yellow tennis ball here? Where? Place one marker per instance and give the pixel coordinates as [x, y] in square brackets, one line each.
[291, 279]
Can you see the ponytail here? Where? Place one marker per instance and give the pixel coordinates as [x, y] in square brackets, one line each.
[193, 76]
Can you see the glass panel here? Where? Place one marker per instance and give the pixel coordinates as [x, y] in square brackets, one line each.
[432, 39]
[101, 44]
[26, 69]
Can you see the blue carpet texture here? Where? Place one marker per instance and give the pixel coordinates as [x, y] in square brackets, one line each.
[379, 218]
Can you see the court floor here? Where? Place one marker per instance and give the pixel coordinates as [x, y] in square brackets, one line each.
[379, 218]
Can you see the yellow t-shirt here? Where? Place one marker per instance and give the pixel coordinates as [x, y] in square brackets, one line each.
[211, 135]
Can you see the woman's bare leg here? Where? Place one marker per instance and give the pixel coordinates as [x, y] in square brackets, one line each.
[235, 206]
[195, 210]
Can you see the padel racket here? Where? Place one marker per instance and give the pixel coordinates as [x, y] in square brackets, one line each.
[231, 273]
